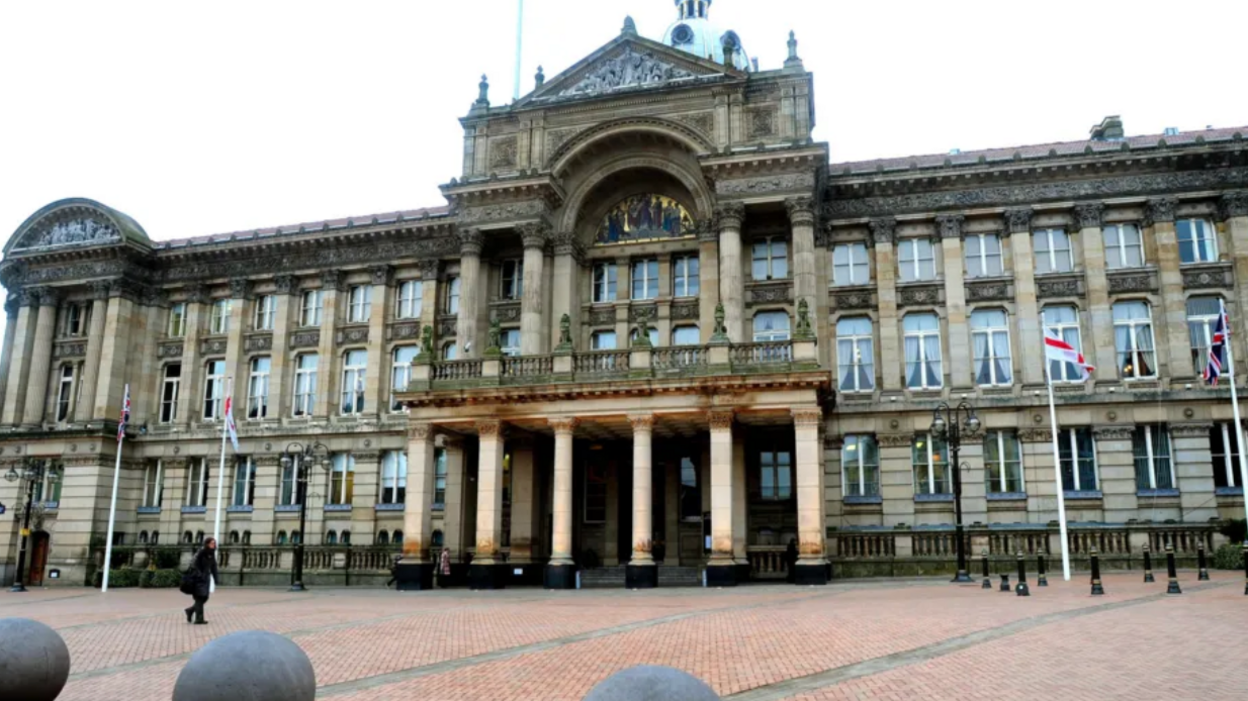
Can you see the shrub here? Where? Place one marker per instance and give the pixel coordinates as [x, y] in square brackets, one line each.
[166, 579]
[1229, 557]
[167, 558]
[1235, 529]
[124, 577]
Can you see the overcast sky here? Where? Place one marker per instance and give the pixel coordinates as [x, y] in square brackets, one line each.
[199, 118]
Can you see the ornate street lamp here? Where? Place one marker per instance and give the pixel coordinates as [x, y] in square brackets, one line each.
[33, 472]
[951, 424]
[299, 457]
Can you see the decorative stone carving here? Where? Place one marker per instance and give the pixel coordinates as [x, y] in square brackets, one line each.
[260, 342]
[1035, 435]
[563, 424]
[803, 331]
[66, 232]
[1061, 287]
[627, 69]
[558, 137]
[770, 292]
[351, 335]
[883, 229]
[894, 440]
[707, 233]
[854, 300]
[100, 289]
[762, 121]
[602, 317]
[1131, 282]
[1190, 430]
[701, 121]
[1112, 433]
[152, 297]
[127, 289]
[505, 313]
[489, 428]
[503, 211]
[641, 423]
[1089, 215]
[74, 349]
[720, 420]
[173, 349]
[305, 339]
[331, 280]
[801, 211]
[988, 291]
[503, 152]
[49, 297]
[807, 417]
[197, 294]
[780, 182]
[533, 235]
[565, 243]
[682, 311]
[1233, 204]
[919, 295]
[429, 269]
[729, 215]
[1018, 220]
[1161, 209]
[381, 275]
[212, 346]
[642, 314]
[446, 327]
[285, 284]
[565, 335]
[240, 288]
[949, 226]
[1208, 279]
[403, 331]
[470, 242]
[420, 432]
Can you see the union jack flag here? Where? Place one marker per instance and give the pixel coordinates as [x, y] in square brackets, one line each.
[125, 416]
[1217, 346]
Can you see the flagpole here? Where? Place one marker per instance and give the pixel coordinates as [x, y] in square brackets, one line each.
[112, 504]
[1239, 439]
[1057, 473]
[225, 430]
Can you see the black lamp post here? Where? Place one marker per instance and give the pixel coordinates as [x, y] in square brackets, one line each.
[950, 424]
[299, 456]
[33, 472]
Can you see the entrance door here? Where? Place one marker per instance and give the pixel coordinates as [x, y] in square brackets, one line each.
[38, 558]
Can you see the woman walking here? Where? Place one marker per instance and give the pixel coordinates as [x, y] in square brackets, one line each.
[444, 568]
[203, 567]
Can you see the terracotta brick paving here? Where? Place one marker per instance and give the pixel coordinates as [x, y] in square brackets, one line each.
[864, 640]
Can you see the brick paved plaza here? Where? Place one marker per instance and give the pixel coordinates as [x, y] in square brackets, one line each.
[863, 640]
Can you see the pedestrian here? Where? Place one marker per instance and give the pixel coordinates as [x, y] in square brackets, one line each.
[202, 567]
[444, 568]
[790, 561]
[394, 571]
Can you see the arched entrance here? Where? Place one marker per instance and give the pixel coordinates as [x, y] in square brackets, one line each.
[40, 542]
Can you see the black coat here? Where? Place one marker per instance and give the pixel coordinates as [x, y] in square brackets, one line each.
[205, 565]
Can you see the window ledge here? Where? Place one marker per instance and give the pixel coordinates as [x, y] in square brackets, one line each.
[1083, 494]
[338, 507]
[933, 497]
[287, 508]
[388, 507]
[863, 499]
[1229, 491]
[148, 510]
[194, 509]
[239, 509]
[1007, 496]
[1157, 493]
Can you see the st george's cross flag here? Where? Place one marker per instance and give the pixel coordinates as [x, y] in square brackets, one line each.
[1057, 350]
[1217, 346]
[229, 422]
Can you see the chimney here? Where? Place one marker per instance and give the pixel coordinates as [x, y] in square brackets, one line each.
[1110, 129]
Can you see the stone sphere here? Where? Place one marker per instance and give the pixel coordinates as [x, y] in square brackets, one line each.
[252, 665]
[34, 661]
[651, 683]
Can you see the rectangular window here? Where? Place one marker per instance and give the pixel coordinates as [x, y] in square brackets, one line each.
[849, 264]
[342, 479]
[771, 326]
[1133, 337]
[595, 492]
[410, 295]
[860, 467]
[1052, 248]
[219, 319]
[258, 388]
[1123, 246]
[401, 372]
[1202, 315]
[931, 466]
[310, 308]
[449, 352]
[1077, 452]
[685, 336]
[1198, 241]
[359, 304]
[686, 273]
[394, 477]
[214, 389]
[65, 393]
[510, 340]
[983, 255]
[452, 295]
[197, 482]
[244, 481]
[177, 320]
[266, 310]
[690, 494]
[153, 484]
[1224, 446]
[354, 368]
[305, 384]
[1154, 467]
[604, 282]
[602, 340]
[76, 316]
[439, 477]
[1003, 463]
[922, 348]
[1063, 322]
[512, 279]
[916, 260]
[855, 354]
[775, 479]
[990, 340]
[169, 393]
[770, 259]
[645, 279]
[287, 484]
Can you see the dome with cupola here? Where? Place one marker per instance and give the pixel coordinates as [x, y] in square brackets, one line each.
[693, 32]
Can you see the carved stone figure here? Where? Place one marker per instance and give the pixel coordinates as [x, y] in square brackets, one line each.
[626, 70]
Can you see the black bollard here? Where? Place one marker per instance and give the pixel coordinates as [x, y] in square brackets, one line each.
[1005, 583]
[1042, 579]
[1097, 589]
[987, 577]
[1148, 565]
[1245, 568]
[1173, 587]
[1203, 575]
[1022, 589]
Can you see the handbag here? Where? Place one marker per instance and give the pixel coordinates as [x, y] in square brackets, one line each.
[190, 580]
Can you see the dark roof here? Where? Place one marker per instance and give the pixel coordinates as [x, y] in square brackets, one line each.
[1038, 151]
[423, 214]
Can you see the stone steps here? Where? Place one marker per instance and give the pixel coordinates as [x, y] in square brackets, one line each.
[613, 577]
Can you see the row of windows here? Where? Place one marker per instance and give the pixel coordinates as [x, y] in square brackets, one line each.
[332, 537]
[1124, 248]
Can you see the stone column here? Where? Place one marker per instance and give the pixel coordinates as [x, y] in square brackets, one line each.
[812, 565]
[453, 507]
[523, 501]
[1233, 211]
[485, 572]
[566, 284]
[237, 366]
[806, 261]
[191, 385]
[470, 288]
[19, 362]
[1193, 477]
[1098, 341]
[85, 409]
[561, 572]
[287, 310]
[890, 357]
[1173, 303]
[1115, 461]
[708, 278]
[429, 295]
[116, 368]
[40, 360]
[949, 226]
[729, 216]
[6, 353]
[417, 566]
[740, 508]
[1028, 353]
[721, 568]
[268, 478]
[641, 572]
[533, 329]
[328, 402]
[381, 310]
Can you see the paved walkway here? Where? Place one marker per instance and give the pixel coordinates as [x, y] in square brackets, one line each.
[880, 639]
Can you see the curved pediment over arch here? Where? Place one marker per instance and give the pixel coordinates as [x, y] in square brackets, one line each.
[76, 222]
[621, 131]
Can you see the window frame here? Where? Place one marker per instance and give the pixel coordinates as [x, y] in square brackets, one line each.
[246, 479]
[308, 378]
[440, 471]
[1070, 438]
[770, 260]
[1200, 353]
[511, 283]
[359, 304]
[169, 404]
[916, 261]
[219, 317]
[995, 357]
[1119, 260]
[930, 465]
[400, 372]
[175, 326]
[999, 483]
[341, 490]
[153, 484]
[409, 299]
[1052, 252]
[604, 282]
[984, 256]
[393, 478]
[214, 390]
[594, 341]
[693, 328]
[1132, 325]
[776, 468]
[1210, 241]
[860, 466]
[1069, 373]
[686, 276]
[65, 394]
[1147, 431]
[198, 480]
[923, 361]
[265, 313]
[354, 381]
[774, 335]
[643, 271]
[311, 308]
[1229, 456]
[258, 384]
[851, 265]
[509, 341]
[450, 299]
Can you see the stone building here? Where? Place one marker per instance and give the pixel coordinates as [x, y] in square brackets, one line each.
[651, 324]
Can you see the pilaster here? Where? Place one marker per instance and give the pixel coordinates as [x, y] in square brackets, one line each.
[1100, 324]
[40, 360]
[284, 313]
[811, 507]
[1029, 353]
[534, 333]
[729, 217]
[470, 284]
[328, 402]
[236, 361]
[453, 511]
[523, 498]
[381, 310]
[1173, 303]
[1233, 210]
[722, 560]
[1193, 476]
[418, 511]
[192, 374]
[85, 410]
[949, 227]
[489, 492]
[889, 362]
[19, 364]
[6, 353]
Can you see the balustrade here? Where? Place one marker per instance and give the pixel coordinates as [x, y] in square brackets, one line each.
[603, 362]
[762, 353]
[677, 358]
[455, 370]
[527, 366]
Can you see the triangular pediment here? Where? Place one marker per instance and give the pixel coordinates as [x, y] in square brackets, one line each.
[625, 64]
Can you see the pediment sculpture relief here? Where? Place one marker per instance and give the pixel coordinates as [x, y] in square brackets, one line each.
[626, 70]
[71, 231]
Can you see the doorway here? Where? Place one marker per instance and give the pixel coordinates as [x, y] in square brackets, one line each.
[39, 543]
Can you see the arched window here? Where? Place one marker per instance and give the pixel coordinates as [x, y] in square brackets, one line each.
[771, 326]
[921, 333]
[345, 538]
[143, 537]
[246, 537]
[188, 537]
[990, 347]
[331, 538]
[397, 538]
[281, 537]
[1133, 337]
[855, 354]
[383, 538]
[437, 539]
[155, 537]
[199, 537]
[234, 537]
[296, 537]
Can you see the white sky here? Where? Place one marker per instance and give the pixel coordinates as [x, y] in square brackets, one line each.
[202, 118]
